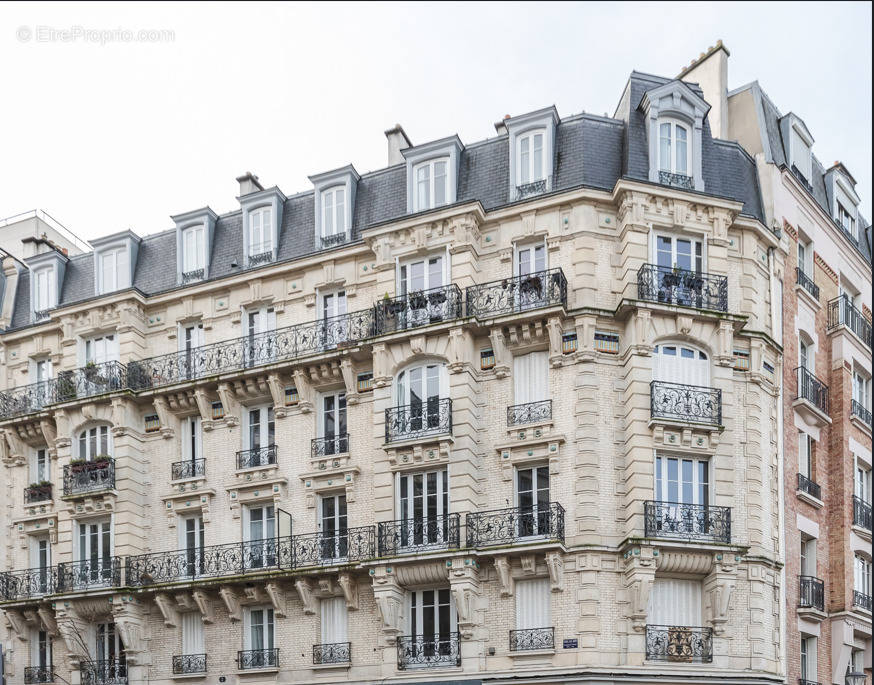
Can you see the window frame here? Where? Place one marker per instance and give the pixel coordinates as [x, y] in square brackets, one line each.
[121, 279]
[431, 165]
[337, 210]
[674, 123]
[264, 215]
[48, 292]
[199, 255]
[528, 136]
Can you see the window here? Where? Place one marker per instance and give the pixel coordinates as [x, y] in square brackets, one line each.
[261, 432]
[95, 442]
[333, 526]
[861, 385]
[334, 211]
[800, 151]
[682, 253]
[191, 539]
[531, 377]
[862, 575]
[258, 637]
[41, 655]
[41, 560]
[431, 184]
[808, 556]
[846, 220]
[193, 252]
[808, 658]
[607, 342]
[421, 274]
[432, 618]
[682, 480]
[805, 455]
[259, 536]
[423, 504]
[334, 620]
[674, 148]
[675, 602]
[857, 661]
[569, 343]
[260, 347]
[192, 441]
[530, 259]
[804, 354]
[862, 482]
[530, 157]
[190, 340]
[335, 327]
[532, 500]
[192, 634]
[42, 370]
[109, 648]
[532, 604]
[260, 231]
[93, 551]
[805, 257]
[101, 349]
[44, 289]
[674, 363]
[39, 466]
[332, 423]
[113, 271]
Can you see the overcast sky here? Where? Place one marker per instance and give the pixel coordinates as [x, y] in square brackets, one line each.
[125, 133]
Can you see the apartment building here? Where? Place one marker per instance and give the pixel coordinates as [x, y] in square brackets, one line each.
[503, 411]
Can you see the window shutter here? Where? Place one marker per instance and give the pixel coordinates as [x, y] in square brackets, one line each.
[674, 602]
[532, 604]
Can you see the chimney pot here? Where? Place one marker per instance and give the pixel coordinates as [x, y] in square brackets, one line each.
[249, 184]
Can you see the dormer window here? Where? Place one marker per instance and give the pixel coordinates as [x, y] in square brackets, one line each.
[113, 270]
[193, 253]
[194, 235]
[334, 215]
[530, 157]
[800, 151]
[531, 142]
[846, 220]
[260, 235]
[334, 197]
[432, 170]
[44, 292]
[431, 184]
[674, 152]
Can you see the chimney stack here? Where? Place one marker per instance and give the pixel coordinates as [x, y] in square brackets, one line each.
[249, 184]
[397, 141]
[710, 71]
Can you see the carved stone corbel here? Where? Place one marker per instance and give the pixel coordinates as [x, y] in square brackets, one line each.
[12, 450]
[232, 603]
[128, 617]
[50, 434]
[464, 585]
[204, 407]
[349, 586]
[640, 571]
[168, 611]
[230, 404]
[305, 394]
[165, 417]
[307, 597]
[642, 332]
[254, 594]
[277, 394]
[457, 355]
[529, 564]
[553, 330]
[349, 380]
[389, 597]
[381, 366]
[277, 599]
[15, 620]
[505, 576]
[502, 354]
[555, 566]
[718, 589]
[201, 599]
[47, 616]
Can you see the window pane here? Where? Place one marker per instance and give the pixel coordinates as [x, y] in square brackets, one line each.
[440, 195]
[537, 162]
[665, 147]
[424, 187]
[681, 150]
[340, 209]
[524, 161]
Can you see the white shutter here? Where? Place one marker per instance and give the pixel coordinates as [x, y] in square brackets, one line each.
[334, 620]
[674, 602]
[531, 377]
[192, 633]
[532, 604]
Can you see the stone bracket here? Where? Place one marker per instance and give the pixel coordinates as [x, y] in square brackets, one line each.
[555, 566]
[168, 611]
[307, 596]
[505, 576]
[349, 586]
[277, 599]
[232, 603]
[202, 601]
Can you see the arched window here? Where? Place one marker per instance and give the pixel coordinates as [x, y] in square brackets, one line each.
[420, 384]
[423, 406]
[431, 187]
[530, 156]
[680, 363]
[334, 211]
[260, 231]
[674, 147]
[94, 442]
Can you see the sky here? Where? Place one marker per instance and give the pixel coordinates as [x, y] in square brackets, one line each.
[116, 116]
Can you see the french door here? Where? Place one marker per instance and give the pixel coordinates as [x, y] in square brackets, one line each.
[863, 484]
[333, 526]
[192, 446]
[334, 623]
[192, 634]
[258, 638]
[682, 494]
[423, 505]
[532, 498]
[191, 533]
[532, 281]
[432, 622]
[332, 423]
[335, 327]
[415, 280]
[259, 528]
[679, 262]
[260, 344]
[41, 563]
[531, 377]
[680, 364]
[109, 654]
[40, 466]
[95, 442]
[94, 553]
[100, 350]
[419, 389]
[41, 654]
[532, 604]
[261, 435]
[190, 343]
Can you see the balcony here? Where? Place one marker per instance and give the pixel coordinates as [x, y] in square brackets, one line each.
[861, 513]
[807, 283]
[258, 456]
[525, 190]
[413, 536]
[686, 403]
[89, 574]
[329, 241]
[188, 468]
[29, 583]
[415, 421]
[251, 659]
[87, 477]
[683, 181]
[808, 487]
[325, 447]
[320, 549]
[515, 525]
[37, 674]
[812, 396]
[517, 294]
[530, 412]
[38, 492]
[811, 593]
[25, 399]
[680, 644]
[529, 639]
[188, 664]
[415, 309]
[332, 653]
[261, 257]
[428, 651]
[858, 410]
[104, 672]
[676, 286]
[861, 600]
[192, 276]
[802, 179]
[690, 522]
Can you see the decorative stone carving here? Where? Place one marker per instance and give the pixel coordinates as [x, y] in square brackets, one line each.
[277, 599]
[554, 329]
[277, 394]
[130, 623]
[167, 420]
[15, 620]
[640, 571]
[465, 587]
[349, 380]
[168, 610]
[502, 354]
[47, 616]
[505, 576]
[529, 564]
[389, 598]
[555, 566]
[204, 407]
[230, 404]
[202, 601]
[718, 589]
[307, 596]
[349, 586]
[232, 603]
[305, 393]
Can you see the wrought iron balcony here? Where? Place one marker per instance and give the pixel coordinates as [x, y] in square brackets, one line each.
[667, 285]
[317, 549]
[325, 447]
[38, 674]
[528, 639]
[811, 593]
[25, 399]
[686, 403]
[85, 477]
[414, 421]
[683, 181]
[333, 240]
[418, 308]
[862, 600]
[428, 651]
[808, 486]
[89, 574]
[332, 653]
[861, 513]
[806, 282]
[514, 525]
[104, 672]
[185, 664]
[264, 257]
[693, 522]
[188, 468]
[411, 536]
[88, 381]
[28, 583]
[812, 389]
[683, 644]
[258, 658]
[802, 179]
[37, 492]
[525, 190]
[530, 412]
[193, 275]
[858, 409]
[517, 294]
[40, 315]
[258, 456]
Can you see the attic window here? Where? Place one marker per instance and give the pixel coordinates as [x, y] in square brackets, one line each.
[113, 272]
[847, 221]
[800, 153]
[260, 236]
[44, 292]
[193, 253]
[431, 184]
[333, 216]
[675, 154]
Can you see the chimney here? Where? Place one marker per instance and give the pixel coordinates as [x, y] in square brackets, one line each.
[7, 304]
[710, 71]
[397, 141]
[249, 184]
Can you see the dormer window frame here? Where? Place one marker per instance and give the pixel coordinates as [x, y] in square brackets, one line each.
[265, 206]
[325, 185]
[526, 144]
[260, 220]
[200, 219]
[45, 287]
[846, 200]
[126, 244]
[525, 127]
[801, 160]
[332, 215]
[428, 155]
[675, 124]
[431, 185]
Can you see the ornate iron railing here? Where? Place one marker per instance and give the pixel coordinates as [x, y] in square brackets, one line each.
[258, 658]
[696, 522]
[325, 447]
[862, 600]
[529, 412]
[418, 308]
[333, 240]
[676, 180]
[812, 389]
[423, 651]
[188, 468]
[87, 574]
[409, 536]
[806, 282]
[27, 583]
[811, 592]
[858, 409]
[842, 312]
[801, 178]
[516, 524]
[38, 674]
[104, 672]
[332, 653]
[40, 315]
[25, 399]
[527, 639]
[668, 285]
[517, 293]
[526, 190]
[37, 493]
[258, 456]
[809, 486]
[189, 663]
[193, 275]
[261, 258]
[861, 513]
[687, 403]
[413, 421]
[316, 549]
[90, 476]
[679, 643]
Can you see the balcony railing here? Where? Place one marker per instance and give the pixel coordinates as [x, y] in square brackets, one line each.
[530, 412]
[676, 180]
[258, 456]
[528, 639]
[418, 308]
[861, 513]
[812, 389]
[517, 294]
[28, 583]
[89, 574]
[806, 282]
[802, 178]
[325, 447]
[33, 494]
[188, 468]
[693, 522]
[332, 653]
[808, 486]
[686, 403]
[104, 672]
[811, 593]
[514, 525]
[86, 477]
[411, 536]
[667, 285]
[40, 315]
[258, 658]
[861, 600]
[683, 644]
[261, 257]
[184, 664]
[532, 189]
[414, 421]
[428, 651]
[333, 240]
[858, 409]
[316, 549]
[191, 276]
[25, 399]
[38, 674]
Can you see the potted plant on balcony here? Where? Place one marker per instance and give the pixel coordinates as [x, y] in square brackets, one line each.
[39, 491]
[66, 386]
[78, 465]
